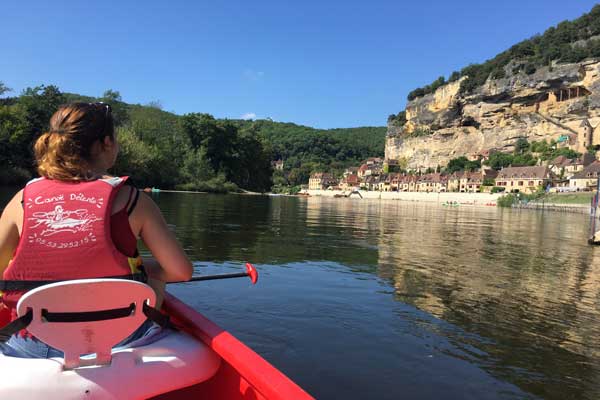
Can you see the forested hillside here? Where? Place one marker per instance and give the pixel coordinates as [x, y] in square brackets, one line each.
[193, 151]
[305, 150]
[567, 42]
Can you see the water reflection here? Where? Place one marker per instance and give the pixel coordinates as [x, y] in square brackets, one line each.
[276, 230]
[524, 281]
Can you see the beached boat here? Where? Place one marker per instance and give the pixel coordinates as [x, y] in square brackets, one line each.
[201, 361]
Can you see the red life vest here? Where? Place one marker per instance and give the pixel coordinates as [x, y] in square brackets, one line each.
[66, 235]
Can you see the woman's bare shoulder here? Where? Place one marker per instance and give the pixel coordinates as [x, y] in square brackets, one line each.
[15, 201]
[13, 211]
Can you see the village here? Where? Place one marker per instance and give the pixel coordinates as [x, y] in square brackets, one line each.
[558, 175]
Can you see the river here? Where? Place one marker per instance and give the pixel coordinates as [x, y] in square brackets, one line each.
[382, 299]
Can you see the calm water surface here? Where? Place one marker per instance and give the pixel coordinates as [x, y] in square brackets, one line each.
[374, 299]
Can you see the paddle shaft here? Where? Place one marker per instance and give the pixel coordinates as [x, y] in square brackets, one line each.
[250, 272]
[220, 276]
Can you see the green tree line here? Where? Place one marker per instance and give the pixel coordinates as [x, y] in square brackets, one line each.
[192, 152]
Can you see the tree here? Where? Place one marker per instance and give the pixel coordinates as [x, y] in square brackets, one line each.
[499, 160]
[403, 163]
[196, 167]
[14, 137]
[521, 145]
[119, 109]
[40, 103]
[462, 164]
[4, 89]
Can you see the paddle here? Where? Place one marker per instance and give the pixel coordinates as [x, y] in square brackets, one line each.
[250, 271]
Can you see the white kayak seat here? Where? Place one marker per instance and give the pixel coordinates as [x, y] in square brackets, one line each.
[91, 368]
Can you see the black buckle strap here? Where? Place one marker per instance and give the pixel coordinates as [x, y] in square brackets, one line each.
[23, 321]
[156, 316]
[15, 326]
[88, 316]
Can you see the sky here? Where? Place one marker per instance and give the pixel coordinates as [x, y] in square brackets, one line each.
[326, 64]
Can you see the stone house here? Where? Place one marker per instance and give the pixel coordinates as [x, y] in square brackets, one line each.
[563, 167]
[321, 181]
[350, 171]
[586, 179]
[372, 166]
[389, 182]
[407, 183]
[454, 181]
[524, 179]
[470, 182]
[277, 165]
[350, 182]
[433, 182]
[371, 182]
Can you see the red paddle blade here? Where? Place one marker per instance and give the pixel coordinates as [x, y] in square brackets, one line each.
[252, 273]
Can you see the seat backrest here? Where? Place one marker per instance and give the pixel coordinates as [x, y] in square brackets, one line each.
[86, 316]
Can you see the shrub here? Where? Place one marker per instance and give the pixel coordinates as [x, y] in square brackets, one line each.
[508, 200]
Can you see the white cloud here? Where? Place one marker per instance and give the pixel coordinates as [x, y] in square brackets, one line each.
[248, 116]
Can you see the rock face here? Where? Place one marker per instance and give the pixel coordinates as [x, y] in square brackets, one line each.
[561, 102]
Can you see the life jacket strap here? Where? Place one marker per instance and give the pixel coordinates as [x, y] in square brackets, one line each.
[24, 285]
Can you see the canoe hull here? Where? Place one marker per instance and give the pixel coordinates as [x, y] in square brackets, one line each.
[243, 374]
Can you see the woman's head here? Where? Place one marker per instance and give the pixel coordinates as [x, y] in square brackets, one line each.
[81, 140]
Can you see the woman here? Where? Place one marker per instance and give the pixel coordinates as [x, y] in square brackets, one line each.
[77, 221]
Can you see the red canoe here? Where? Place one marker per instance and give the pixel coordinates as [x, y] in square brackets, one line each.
[243, 374]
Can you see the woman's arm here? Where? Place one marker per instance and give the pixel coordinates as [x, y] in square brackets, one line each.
[9, 230]
[171, 264]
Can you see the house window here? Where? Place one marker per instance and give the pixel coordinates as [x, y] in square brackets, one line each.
[531, 183]
[520, 183]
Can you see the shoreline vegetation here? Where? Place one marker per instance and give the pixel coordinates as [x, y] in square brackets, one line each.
[576, 202]
[191, 152]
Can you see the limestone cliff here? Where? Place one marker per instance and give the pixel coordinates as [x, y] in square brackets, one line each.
[561, 102]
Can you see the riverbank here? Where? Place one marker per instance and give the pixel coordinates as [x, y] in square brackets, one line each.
[578, 203]
[482, 199]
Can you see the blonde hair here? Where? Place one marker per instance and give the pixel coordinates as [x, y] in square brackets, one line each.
[64, 152]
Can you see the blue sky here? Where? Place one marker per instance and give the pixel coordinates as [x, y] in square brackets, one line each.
[325, 64]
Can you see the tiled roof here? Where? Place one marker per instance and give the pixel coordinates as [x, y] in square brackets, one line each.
[537, 172]
[560, 161]
[352, 179]
[591, 171]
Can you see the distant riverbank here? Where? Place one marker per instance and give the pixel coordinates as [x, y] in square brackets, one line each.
[440, 198]
[574, 203]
